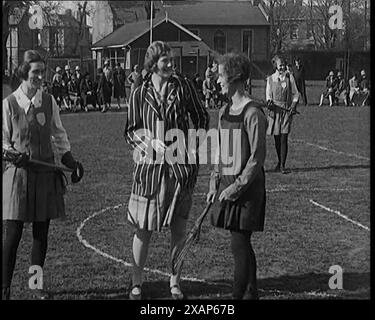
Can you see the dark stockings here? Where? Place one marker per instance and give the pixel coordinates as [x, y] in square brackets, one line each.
[13, 234]
[281, 144]
[244, 285]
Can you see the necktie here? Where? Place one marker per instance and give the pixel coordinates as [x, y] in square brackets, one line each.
[30, 116]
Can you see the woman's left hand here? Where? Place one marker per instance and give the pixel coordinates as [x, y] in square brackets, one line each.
[226, 194]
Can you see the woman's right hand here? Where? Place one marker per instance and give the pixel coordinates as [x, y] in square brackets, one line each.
[211, 196]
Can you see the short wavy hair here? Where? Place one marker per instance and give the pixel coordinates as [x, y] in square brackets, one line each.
[29, 57]
[156, 50]
[236, 66]
[277, 58]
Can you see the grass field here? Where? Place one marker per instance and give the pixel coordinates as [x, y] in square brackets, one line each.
[89, 253]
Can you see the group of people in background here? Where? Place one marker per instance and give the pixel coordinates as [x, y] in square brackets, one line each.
[355, 92]
[75, 91]
[209, 89]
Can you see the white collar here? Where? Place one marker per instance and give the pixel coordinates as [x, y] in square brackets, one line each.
[277, 75]
[24, 102]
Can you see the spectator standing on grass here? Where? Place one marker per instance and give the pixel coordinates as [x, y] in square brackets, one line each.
[78, 75]
[242, 193]
[108, 72]
[331, 87]
[282, 97]
[32, 193]
[364, 87]
[103, 91]
[208, 91]
[300, 78]
[135, 79]
[118, 84]
[162, 191]
[198, 83]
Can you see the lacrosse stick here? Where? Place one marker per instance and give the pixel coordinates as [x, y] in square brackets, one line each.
[178, 256]
[42, 163]
[273, 106]
[170, 212]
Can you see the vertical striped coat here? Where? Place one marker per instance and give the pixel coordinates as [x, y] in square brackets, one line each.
[181, 102]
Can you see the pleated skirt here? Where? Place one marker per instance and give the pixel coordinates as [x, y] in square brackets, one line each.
[279, 123]
[245, 214]
[154, 213]
[32, 196]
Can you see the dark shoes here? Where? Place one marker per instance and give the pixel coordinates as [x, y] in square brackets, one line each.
[135, 293]
[281, 169]
[176, 293]
[284, 170]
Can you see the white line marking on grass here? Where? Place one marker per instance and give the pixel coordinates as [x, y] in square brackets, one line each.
[331, 150]
[159, 272]
[127, 264]
[282, 189]
[340, 215]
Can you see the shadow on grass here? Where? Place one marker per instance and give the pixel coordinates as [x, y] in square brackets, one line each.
[311, 282]
[332, 167]
[355, 285]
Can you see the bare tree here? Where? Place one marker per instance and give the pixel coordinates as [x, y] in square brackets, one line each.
[83, 11]
[281, 18]
[17, 9]
[11, 8]
[356, 26]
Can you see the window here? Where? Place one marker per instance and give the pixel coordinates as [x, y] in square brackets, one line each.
[247, 42]
[294, 32]
[220, 41]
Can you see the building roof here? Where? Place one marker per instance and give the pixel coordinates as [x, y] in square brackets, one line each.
[217, 13]
[132, 31]
[127, 12]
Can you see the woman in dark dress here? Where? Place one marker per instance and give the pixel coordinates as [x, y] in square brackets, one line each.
[241, 184]
[119, 84]
[299, 76]
[104, 91]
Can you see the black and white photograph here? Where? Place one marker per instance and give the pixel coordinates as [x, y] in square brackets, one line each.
[198, 150]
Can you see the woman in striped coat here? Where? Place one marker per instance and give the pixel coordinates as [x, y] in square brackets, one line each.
[162, 189]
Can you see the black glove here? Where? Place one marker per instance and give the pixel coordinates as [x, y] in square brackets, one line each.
[22, 160]
[270, 105]
[68, 160]
[77, 174]
[17, 158]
